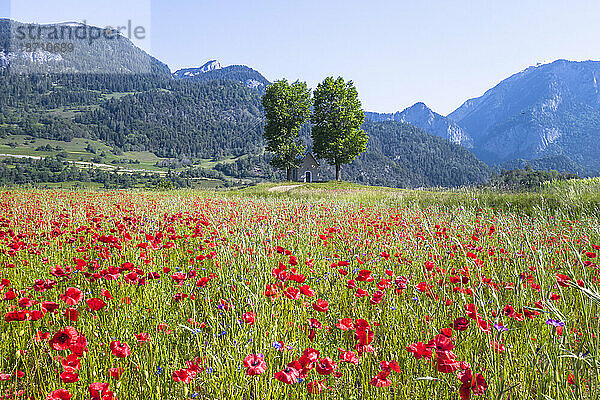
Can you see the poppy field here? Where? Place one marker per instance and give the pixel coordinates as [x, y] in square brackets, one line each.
[194, 295]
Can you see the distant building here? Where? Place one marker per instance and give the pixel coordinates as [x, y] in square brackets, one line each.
[308, 170]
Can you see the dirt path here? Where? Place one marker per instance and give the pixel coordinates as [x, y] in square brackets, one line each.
[283, 188]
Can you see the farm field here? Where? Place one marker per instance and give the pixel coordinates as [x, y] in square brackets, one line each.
[303, 293]
[82, 152]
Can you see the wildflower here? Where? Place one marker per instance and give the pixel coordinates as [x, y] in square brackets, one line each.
[255, 364]
[419, 350]
[64, 338]
[326, 366]
[71, 296]
[96, 304]
[321, 305]
[119, 349]
[471, 384]
[288, 375]
[249, 317]
[69, 377]
[60, 394]
[460, 324]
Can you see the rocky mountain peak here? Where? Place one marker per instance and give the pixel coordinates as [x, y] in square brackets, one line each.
[210, 66]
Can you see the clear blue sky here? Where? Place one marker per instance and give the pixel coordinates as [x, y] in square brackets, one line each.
[398, 52]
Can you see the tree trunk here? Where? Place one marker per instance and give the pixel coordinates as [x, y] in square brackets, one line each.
[289, 174]
[338, 172]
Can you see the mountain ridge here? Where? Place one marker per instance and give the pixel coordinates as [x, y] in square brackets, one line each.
[542, 111]
[213, 70]
[421, 116]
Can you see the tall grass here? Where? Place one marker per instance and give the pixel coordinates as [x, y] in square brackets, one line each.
[515, 263]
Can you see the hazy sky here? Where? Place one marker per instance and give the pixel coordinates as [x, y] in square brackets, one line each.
[397, 52]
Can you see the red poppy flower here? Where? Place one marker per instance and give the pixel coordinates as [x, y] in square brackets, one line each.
[364, 275]
[49, 306]
[25, 302]
[60, 394]
[71, 363]
[80, 346]
[562, 280]
[142, 337]
[71, 314]
[95, 303]
[255, 364]
[119, 349]
[471, 384]
[471, 311]
[99, 391]
[362, 324]
[326, 366]
[306, 291]
[321, 305]
[115, 373]
[484, 326]
[69, 377]
[364, 339]
[380, 380]
[292, 293]
[71, 296]
[345, 324]
[498, 347]
[460, 324]
[419, 350]
[445, 362]
[309, 357]
[9, 295]
[18, 316]
[348, 356]
[182, 375]
[376, 298]
[64, 338]
[288, 375]
[389, 366]
[249, 317]
[443, 343]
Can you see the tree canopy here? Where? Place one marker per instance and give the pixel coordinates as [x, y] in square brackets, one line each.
[286, 108]
[337, 118]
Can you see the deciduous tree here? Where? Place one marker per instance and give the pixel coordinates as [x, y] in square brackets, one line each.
[336, 123]
[286, 108]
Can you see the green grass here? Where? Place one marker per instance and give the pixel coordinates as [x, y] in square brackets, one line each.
[563, 199]
[435, 244]
[77, 150]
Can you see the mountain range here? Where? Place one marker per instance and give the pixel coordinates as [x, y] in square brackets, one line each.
[426, 119]
[213, 70]
[547, 116]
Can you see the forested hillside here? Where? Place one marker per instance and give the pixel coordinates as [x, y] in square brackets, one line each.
[135, 112]
[401, 155]
[208, 117]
